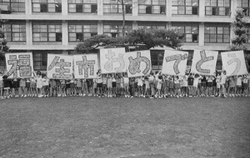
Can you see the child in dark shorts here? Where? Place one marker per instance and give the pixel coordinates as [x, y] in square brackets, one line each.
[15, 87]
[28, 87]
[114, 85]
[7, 84]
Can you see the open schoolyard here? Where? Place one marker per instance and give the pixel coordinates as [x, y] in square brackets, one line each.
[88, 127]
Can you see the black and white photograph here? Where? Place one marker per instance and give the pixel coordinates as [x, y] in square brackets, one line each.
[124, 78]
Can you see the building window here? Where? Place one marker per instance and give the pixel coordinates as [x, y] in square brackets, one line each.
[82, 6]
[152, 6]
[153, 26]
[81, 32]
[15, 5]
[115, 30]
[157, 59]
[248, 35]
[115, 6]
[47, 6]
[217, 34]
[218, 7]
[245, 5]
[47, 33]
[2, 64]
[15, 32]
[190, 33]
[40, 61]
[183, 7]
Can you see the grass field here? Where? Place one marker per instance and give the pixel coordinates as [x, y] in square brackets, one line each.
[79, 127]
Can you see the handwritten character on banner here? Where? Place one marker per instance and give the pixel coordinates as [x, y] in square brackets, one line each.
[21, 63]
[234, 60]
[86, 65]
[61, 70]
[177, 58]
[203, 59]
[109, 64]
[134, 64]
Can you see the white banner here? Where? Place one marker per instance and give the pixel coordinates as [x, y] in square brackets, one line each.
[234, 63]
[19, 65]
[174, 62]
[112, 60]
[138, 63]
[204, 62]
[60, 66]
[85, 66]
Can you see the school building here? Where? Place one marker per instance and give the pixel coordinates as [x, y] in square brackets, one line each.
[56, 26]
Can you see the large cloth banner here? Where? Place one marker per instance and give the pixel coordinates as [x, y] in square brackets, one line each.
[138, 63]
[234, 63]
[112, 60]
[19, 65]
[174, 62]
[204, 62]
[60, 66]
[85, 66]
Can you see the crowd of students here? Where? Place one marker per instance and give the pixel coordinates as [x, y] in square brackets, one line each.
[154, 85]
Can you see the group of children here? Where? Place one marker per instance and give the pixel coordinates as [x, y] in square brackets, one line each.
[154, 85]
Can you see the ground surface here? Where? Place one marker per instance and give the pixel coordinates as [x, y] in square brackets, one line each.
[80, 127]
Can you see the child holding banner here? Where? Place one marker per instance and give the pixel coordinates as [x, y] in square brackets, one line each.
[126, 85]
[110, 85]
[222, 83]
[6, 85]
[22, 87]
[239, 86]
[232, 86]
[245, 85]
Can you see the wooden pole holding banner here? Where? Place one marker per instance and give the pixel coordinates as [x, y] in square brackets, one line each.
[123, 19]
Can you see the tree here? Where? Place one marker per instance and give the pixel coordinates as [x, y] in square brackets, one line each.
[148, 38]
[98, 41]
[240, 30]
[155, 37]
[3, 44]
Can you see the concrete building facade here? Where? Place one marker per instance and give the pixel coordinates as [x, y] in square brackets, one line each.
[56, 26]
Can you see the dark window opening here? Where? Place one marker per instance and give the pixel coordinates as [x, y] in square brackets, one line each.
[162, 10]
[58, 8]
[195, 37]
[227, 11]
[214, 11]
[113, 34]
[79, 36]
[149, 10]
[79, 8]
[195, 10]
[44, 7]
[44, 60]
[58, 37]
[93, 34]
[128, 9]
[93, 8]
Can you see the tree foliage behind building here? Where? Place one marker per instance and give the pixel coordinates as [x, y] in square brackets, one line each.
[148, 38]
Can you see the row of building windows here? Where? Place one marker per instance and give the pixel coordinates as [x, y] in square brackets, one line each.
[181, 7]
[80, 32]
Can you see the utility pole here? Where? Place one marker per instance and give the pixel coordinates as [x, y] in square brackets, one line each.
[123, 18]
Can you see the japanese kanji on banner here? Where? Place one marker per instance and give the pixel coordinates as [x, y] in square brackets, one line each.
[204, 62]
[138, 63]
[85, 66]
[19, 65]
[60, 66]
[234, 63]
[112, 60]
[174, 62]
